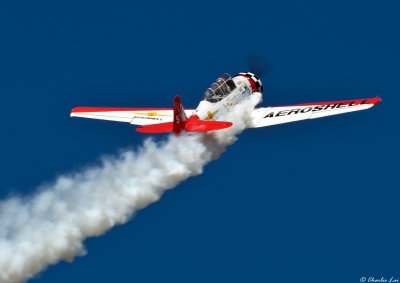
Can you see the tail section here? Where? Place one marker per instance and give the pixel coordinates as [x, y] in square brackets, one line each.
[156, 128]
[197, 125]
[179, 116]
[193, 124]
[181, 122]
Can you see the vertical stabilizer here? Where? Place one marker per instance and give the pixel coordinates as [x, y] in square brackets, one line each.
[179, 116]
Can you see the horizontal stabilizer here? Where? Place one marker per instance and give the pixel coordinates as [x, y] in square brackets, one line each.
[156, 128]
[193, 126]
[205, 126]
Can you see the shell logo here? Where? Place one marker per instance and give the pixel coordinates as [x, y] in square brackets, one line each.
[152, 114]
[211, 115]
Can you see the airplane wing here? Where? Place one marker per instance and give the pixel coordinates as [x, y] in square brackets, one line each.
[135, 116]
[263, 117]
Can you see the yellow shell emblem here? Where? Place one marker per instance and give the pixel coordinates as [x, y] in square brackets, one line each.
[211, 115]
[150, 114]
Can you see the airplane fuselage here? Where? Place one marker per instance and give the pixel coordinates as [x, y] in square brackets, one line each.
[212, 110]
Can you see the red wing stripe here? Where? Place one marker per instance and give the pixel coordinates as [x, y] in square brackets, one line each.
[374, 101]
[107, 109]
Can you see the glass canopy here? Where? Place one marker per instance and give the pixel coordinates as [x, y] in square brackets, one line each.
[220, 89]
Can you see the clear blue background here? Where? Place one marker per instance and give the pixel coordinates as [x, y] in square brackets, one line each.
[314, 201]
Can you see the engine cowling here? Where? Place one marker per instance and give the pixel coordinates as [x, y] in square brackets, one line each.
[255, 82]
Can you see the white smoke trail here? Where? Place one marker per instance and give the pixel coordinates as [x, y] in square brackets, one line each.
[52, 224]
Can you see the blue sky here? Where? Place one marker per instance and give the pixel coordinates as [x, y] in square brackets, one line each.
[299, 202]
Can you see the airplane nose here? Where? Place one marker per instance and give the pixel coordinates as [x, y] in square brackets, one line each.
[254, 80]
[257, 81]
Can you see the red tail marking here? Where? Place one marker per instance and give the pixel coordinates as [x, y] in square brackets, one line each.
[205, 126]
[179, 116]
[156, 128]
[181, 122]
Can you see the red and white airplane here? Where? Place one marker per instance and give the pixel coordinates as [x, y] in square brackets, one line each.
[220, 98]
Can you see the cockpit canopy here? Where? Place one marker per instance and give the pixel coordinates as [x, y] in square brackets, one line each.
[223, 86]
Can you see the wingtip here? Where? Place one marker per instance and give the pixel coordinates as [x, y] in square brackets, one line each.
[72, 113]
[377, 99]
[79, 109]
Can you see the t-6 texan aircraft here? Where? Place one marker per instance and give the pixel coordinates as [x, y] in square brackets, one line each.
[218, 99]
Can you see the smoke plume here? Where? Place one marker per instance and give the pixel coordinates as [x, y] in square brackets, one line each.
[51, 224]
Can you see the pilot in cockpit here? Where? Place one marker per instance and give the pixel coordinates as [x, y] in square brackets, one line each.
[223, 85]
[220, 89]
